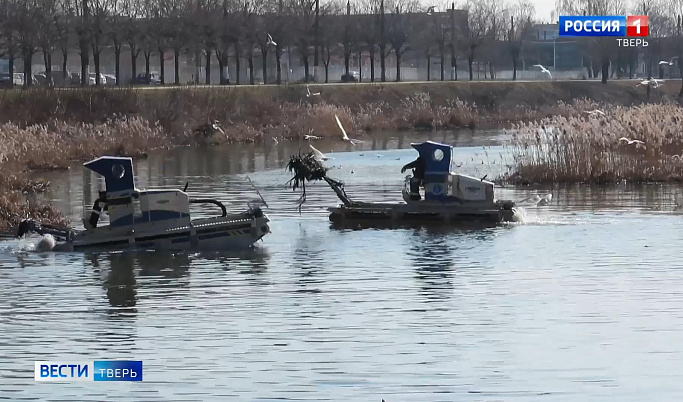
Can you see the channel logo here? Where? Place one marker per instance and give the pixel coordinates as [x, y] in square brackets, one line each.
[615, 25]
[98, 370]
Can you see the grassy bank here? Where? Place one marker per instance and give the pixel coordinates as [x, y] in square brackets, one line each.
[52, 129]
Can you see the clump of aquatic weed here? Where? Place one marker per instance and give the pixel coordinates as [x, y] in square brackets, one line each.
[581, 148]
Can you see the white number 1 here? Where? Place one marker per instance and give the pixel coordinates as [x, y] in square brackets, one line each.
[637, 24]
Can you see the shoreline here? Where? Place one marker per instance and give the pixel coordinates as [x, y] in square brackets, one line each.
[89, 122]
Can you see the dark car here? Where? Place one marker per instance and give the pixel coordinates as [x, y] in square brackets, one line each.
[147, 79]
[352, 76]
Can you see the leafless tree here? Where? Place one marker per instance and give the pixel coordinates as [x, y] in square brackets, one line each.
[303, 15]
[9, 41]
[475, 32]
[604, 46]
[521, 20]
[48, 36]
[99, 25]
[27, 13]
[398, 31]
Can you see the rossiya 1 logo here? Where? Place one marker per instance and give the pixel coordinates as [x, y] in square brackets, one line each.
[631, 29]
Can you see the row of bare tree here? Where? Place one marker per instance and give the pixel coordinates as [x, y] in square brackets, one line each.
[237, 31]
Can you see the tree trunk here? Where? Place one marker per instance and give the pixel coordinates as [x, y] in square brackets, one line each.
[382, 63]
[264, 61]
[680, 70]
[176, 65]
[360, 66]
[162, 66]
[11, 70]
[514, 68]
[469, 66]
[278, 56]
[605, 71]
[207, 73]
[347, 57]
[454, 63]
[442, 59]
[96, 60]
[327, 72]
[221, 65]
[429, 67]
[65, 57]
[250, 60]
[28, 77]
[47, 58]
[237, 65]
[117, 64]
[85, 80]
[148, 56]
[133, 62]
[305, 60]
[372, 63]
[398, 66]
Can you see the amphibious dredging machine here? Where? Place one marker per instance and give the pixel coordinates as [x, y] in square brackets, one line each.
[152, 219]
[449, 197]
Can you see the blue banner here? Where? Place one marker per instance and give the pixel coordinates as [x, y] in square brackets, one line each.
[598, 25]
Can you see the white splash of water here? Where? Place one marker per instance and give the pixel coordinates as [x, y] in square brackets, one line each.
[46, 243]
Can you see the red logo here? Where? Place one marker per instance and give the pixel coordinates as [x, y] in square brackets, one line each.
[637, 25]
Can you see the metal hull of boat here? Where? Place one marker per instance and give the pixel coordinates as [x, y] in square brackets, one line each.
[423, 212]
[211, 234]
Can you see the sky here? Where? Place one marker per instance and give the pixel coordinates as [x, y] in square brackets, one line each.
[543, 9]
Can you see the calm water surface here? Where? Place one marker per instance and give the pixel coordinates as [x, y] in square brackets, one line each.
[581, 302]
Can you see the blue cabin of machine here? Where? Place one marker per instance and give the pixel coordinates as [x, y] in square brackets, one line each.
[437, 158]
[117, 172]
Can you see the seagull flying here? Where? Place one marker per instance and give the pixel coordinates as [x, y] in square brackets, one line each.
[311, 137]
[670, 63]
[595, 112]
[430, 10]
[630, 142]
[345, 137]
[270, 41]
[319, 156]
[544, 70]
[309, 94]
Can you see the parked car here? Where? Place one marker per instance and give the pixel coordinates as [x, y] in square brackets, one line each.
[93, 79]
[152, 78]
[111, 79]
[352, 76]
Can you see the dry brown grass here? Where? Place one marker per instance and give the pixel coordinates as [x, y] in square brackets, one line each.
[586, 149]
[42, 129]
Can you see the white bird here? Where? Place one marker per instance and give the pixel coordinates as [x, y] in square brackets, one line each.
[309, 94]
[270, 41]
[652, 83]
[216, 127]
[595, 112]
[631, 142]
[678, 157]
[538, 200]
[319, 156]
[276, 141]
[378, 155]
[398, 159]
[670, 63]
[311, 137]
[430, 10]
[544, 70]
[345, 137]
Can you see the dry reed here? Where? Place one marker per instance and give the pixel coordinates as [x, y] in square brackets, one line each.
[586, 149]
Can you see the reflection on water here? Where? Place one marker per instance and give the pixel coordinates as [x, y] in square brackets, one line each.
[577, 303]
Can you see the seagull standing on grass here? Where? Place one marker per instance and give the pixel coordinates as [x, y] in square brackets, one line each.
[652, 83]
[270, 41]
[430, 10]
[309, 94]
[544, 70]
[345, 137]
